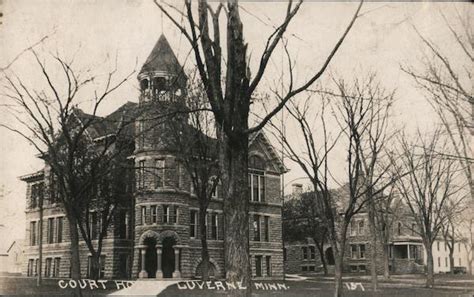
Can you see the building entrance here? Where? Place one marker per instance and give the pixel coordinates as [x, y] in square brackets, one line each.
[168, 257]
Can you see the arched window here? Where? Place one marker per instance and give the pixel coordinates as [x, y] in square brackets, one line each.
[144, 84]
[256, 179]
[159, 85]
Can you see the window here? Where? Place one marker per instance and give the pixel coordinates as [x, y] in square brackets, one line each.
[267, 228]
[256, 227]
[268, 262]
[305, 253]
[144, 84]
[59, 229]
[154, 214]
[50, 230]
[257, 187]
[143, 215]
[459, 247]
[32, 233]
[159, 173]
[47, 268]
[312, 252]
[93, 224]
[36, 267]
[353, 229]
[36, 194]
[166, 213]
[56, 265]
[446, 261]
[362, 251]
[141, 174]
[122, 224]
[174, 219]
[362, 268]
[445, 246]
[399, 231]
[360, 227]
[304, 268]
[437, 245]
[439, 261]
[52, 188]
[459, 261]
[256, 179]
[214, 223]
[258, 266]
[353, 251]
[194, 224]
[31, 263]
[413, 228]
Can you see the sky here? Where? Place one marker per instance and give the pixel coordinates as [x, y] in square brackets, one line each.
[103, 35]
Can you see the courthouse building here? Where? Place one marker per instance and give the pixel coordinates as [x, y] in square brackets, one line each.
[158, 235]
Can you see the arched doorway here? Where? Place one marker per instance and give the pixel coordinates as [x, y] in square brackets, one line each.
[212, 270]
[150, 257]
[329, 256]
[168, 257]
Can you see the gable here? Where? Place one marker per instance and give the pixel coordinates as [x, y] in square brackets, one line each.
[260, 145]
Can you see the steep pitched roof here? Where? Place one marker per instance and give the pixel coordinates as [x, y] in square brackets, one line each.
[162, 58]
[273, 154]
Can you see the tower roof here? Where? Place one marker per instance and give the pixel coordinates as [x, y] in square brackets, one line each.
[162, 59]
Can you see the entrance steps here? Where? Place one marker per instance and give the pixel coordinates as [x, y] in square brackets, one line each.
[146, 288]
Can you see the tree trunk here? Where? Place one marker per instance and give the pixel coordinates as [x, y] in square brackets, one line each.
[386, 261]
[40, 244]
[95, 266]
[429, 266]
[75, 259]
[451, 260]
[323, 258]
[233, 157]
[204, 248]
[373, 250]
[338, 261]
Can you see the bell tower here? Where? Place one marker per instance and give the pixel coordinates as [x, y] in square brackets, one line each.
[162, 78]
[162, 97]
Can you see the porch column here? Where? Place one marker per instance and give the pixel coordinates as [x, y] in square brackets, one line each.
[143, 273]
[159, 272]
[408, 251]
[177, 270]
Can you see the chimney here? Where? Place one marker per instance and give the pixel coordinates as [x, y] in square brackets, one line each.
[297, 189]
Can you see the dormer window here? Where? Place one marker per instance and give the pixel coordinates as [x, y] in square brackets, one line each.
[144, 84]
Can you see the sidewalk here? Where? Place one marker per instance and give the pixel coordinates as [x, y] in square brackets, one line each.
[145, 288]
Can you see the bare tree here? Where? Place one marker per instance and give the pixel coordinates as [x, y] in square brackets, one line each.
[451, 231]
[51, 122]
[446, 79]
[302, 219]
[229, 88]
[430, 189]
[196, 148]
[386, 213]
